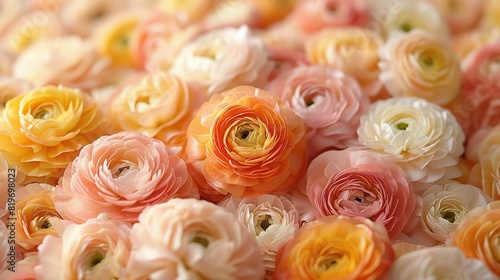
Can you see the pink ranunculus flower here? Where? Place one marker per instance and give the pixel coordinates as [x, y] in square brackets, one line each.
[192, 239]
[329, 102]
[362, 183]
[461, 15]
[284, 59]
[440, 262]
[96, 249]
[120, 175]
[25, 269]
[272, 220]
[314, 15]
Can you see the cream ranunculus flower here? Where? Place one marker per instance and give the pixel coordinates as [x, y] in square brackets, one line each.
[440, 262]
[41, 131]
[422, 65]
[96, 249]
[353, 50]
[192, 239]
[222, 59]
[423, 138]
[444, 207]
[272, 219]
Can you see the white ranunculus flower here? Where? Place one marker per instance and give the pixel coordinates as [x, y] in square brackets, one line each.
[272, 219]
[439, 262]
[222, 59]
[445, 205]
[423, 138]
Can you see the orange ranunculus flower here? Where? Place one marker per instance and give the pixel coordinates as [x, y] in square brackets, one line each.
[478, 235]
[43, 130]
[246, 142]
[336, 247]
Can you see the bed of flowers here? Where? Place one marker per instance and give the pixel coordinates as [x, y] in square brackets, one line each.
[249, 139]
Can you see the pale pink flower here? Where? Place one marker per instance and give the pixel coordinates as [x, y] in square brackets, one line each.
[285, 59]
[192, 239]
[329, 102]
[120, 175]
[96, 249]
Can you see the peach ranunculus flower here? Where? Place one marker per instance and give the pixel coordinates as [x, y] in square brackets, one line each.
[70, 61]
[353, 50]
[158, 105]
[192, 239]
[24, 270]
[461, 15]
[272, 220]
[34, 208]
[96, 249]
[478, 235]
[314, 15]
[440, 262]
[41, 131]
[120, 175]
[336, 247]
[329, 102]
[362, 183]
[423, 138]
[245, 142]
[445, 205]
[222, 59]
[422, 65]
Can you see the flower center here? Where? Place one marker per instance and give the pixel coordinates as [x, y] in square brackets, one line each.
[263, 223]
[401, 126]
[96, 258]
[42, 115]
[449, 216]
[46, 224]
[406, 27]
[120, 170]
[202, 239]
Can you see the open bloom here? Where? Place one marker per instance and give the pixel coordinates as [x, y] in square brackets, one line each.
[336, 247]
[43, 130]
[98, 248]
[245, 142]
[329, 102]
[362, 183]
[440, 262]
[272, 220]
[423, 138]
[422, 65]
[192, 239]
[120, 175]
[461, 15]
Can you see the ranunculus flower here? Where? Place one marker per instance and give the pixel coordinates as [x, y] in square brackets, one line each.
[272, 220]
[273, 11]
[34, 208]
[284, 59]
[25, 269]
[461, 15]
[222, 59]
[11, 87]
[313, 15]
[41, 131]
[422, 137]
[329, 102]
[353, 50]
[422, 65]
[157, 105]
[362, 183]
[478, 235]
[192, 239]
[69, 61]
[120, 175]
[245, 142]
[440, 262]
[192, 10]
[445, 205]
[336, 247]
[96, 249]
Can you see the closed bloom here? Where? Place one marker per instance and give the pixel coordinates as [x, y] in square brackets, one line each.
[362, 183]
[245, 142]
[336, 247]
[440, 262]
[353, 50]
[192, 239]
[423, 138]
[478, 235]
[272, 220]
[96, 249]
[222, 59]
[120, 175]
[444, 207]
[41, 131]
[422, 65]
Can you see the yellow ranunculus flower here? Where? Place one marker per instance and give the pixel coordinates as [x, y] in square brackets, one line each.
[43, 130]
